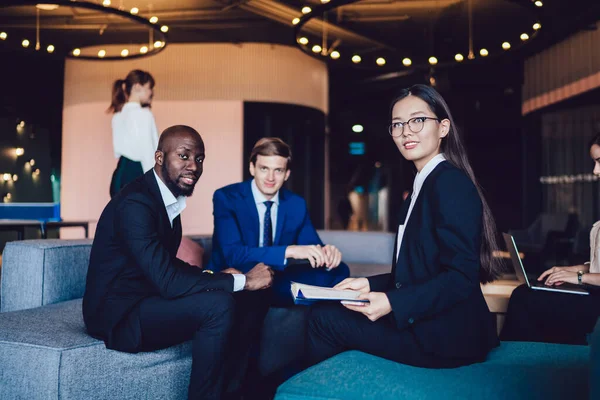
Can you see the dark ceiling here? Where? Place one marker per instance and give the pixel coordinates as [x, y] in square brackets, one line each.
[394, 29]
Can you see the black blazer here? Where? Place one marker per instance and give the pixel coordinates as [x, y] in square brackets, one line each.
[134, 257]
[434, 285]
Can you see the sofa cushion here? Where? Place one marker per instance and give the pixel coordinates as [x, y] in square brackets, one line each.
[45, 353]
[40, 272]
[512, 371]
[362, 247]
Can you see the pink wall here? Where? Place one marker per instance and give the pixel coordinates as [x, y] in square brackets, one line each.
[88, 161]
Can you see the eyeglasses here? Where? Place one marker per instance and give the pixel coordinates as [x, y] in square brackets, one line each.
[415, 125]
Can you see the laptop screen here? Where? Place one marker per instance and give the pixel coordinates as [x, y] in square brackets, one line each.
[516, 260]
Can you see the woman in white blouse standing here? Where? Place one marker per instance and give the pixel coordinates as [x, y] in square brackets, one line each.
[135, 137]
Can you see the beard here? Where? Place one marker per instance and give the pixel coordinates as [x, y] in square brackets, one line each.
[173, 184]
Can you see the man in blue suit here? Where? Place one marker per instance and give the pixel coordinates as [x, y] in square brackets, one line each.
[259, 221]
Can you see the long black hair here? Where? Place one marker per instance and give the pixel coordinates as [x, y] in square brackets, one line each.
[455, 153]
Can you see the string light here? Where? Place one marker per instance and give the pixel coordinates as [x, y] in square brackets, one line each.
[101, 53]
[539, 3]
[50, 49]
[380, 61]
[306, 10]
[537, 26]
[134, 10]
[524, 36]
[6, 177]
[335, 55]
[407, 62]
[25, 43]
[158, 44]
[484, 52]
[19, 151]
[316, 48]
[106, 3]
[76, 52]
[356, 59]
[459, 57]
[124, 53]
[153, 19]
[433, 60]
[303, 41]
[295, 21]
[506, 46]
[144, 49]
[164, 29]
[15, 177]
[3, 35]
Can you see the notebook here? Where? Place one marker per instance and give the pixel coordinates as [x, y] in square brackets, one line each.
[308, 294]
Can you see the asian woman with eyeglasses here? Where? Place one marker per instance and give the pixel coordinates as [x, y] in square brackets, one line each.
[429, 311]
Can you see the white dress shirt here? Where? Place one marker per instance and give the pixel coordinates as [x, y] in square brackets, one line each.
[260, 199]
[417, 185]
[174, 207]
[135, 135]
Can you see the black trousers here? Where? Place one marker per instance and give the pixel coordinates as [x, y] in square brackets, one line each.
[223, 329]
[540, 316]
[127, 170]
[332, 329]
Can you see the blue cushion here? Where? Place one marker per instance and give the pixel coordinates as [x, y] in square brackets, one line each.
[512, 371]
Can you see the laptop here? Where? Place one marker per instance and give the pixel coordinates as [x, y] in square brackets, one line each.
[534, 283]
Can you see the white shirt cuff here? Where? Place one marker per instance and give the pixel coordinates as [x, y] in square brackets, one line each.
[239, 281]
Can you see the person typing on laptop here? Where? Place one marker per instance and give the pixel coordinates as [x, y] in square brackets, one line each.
[542, 316]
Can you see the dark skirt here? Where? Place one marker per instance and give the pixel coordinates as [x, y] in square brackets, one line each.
[126, 171]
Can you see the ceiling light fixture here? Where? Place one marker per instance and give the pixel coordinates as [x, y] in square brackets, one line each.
[330, 40]
[156, 34]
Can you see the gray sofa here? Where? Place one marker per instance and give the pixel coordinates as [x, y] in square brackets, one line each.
[45, 352]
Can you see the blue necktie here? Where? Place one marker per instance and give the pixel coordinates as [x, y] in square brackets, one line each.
[268, 231]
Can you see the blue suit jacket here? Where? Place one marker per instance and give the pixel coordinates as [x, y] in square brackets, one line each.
[434, 285]
[236, 229]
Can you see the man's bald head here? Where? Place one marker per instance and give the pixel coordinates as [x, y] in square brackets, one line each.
[179, 159]
[172, 136]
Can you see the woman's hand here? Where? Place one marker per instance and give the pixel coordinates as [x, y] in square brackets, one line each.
[378, 306]
[555, 270]
[360, 284]
[561, 276]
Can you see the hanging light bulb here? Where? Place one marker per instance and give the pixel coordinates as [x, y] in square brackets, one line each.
[153, 19]
[144, 49]
[25, 43]
[19, 151]
[459, 57]
[134, 10]
[537, 26]
[483, 52]
[124, 53]
[335, 54]
[524, 36]
[101, 53]
[356, 59]
[158, 44]
[164, 29]
[538, 3]
[316, 48]
[106, 3]
[76, 52]
[303, 41]
[50, 48]
[407, 62]
[3, 35]
[295, 21]
[506, 46]
[380, 61]
[433, 60]
[306, 10]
